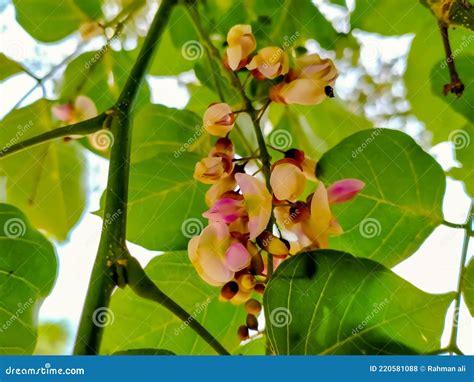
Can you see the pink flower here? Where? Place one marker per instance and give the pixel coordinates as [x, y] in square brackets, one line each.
[226, 210]
[344, 190]
[258, 203]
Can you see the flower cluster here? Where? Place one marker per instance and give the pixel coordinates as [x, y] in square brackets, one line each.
[245, 211]
[308, 82]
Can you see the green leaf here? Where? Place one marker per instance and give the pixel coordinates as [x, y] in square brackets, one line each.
[144, 352]
[101, 76]
[169, 60]
[440, 77]
[407, 16]
[158, 129]
[468, 286]
[92, 8]
[28, 269]
[329, 302]
[254, 347]
[140, 323]
[318, 128]
[463, 142]
[401, 203]
[165, 202]
[8, 67]
[48, 181]
[50, 20]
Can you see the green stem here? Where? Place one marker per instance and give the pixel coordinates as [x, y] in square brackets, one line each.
[112, 242]
[88, 126]
[146, 288]
[462, 268]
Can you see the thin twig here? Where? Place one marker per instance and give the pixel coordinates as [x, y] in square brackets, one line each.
[456, 86]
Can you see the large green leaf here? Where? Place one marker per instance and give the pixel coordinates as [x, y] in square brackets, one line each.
[401, 202]
[329, 302]
[8, 67]
[139, 323]
[48, 181]
[28, 268]
[468, 286]
[315, 129]
[50, 20]
[463, 142]
[409, 16]
[101, 76]
[165, 202]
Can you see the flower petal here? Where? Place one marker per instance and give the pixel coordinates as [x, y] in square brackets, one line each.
[344, 190]
[258, 202]
[237, 257]
[287, 181]
[225, 210]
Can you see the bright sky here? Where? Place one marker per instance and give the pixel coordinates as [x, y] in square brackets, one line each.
[434, 268]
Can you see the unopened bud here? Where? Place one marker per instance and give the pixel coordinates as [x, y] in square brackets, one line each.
[229, 290]
[253, 306]
[252, 322]
[259, 288]
[243, 332]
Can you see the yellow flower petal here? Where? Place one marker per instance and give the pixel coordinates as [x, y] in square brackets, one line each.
[258, 202]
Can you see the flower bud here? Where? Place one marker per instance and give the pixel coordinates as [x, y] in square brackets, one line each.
[270, 63]
[243, 332]
[252, 322]
[287, 179]
[218, 119]
[241, 43]
[229, 290]
[253, 306]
